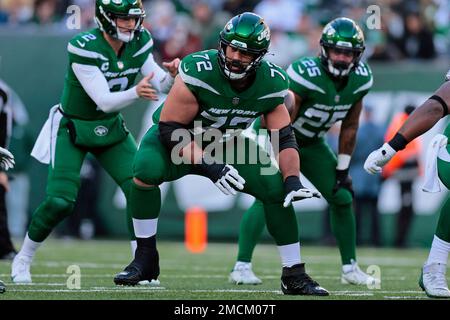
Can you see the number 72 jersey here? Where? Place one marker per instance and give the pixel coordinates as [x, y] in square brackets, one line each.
[322, 104]
[220, 106]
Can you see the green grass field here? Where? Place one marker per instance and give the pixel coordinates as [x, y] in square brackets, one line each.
[204, 276]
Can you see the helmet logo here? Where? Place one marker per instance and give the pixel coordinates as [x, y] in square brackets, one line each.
[239, 44]
[106, 2]
[229, 26]
[101, 131]
[235, 101]
[265, 34]
[135, 11]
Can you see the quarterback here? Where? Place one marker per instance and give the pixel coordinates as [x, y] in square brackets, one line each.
[323, 90]
[223, 91]
[103, 65]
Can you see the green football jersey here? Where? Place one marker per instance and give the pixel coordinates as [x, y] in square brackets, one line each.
[91, 48]
[322, 104]
[222, 107]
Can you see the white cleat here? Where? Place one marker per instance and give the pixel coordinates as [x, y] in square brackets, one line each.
[433, 281]
[358, 277]
[243, 274]
[20, 270]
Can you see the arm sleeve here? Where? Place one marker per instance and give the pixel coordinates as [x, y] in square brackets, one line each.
[95, 85]
[162, 80]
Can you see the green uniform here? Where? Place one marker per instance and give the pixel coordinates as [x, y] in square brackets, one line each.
[85, 128]
[443, 226]
[221, 107]
[322, 105]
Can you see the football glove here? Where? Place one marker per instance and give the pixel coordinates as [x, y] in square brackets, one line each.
[343, 180]
[224, 176]
[296, 191]
[379, 158]
[6, 159]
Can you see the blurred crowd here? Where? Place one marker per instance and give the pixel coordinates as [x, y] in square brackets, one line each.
[404, 29]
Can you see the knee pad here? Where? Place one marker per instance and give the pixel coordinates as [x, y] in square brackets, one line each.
[342, 197]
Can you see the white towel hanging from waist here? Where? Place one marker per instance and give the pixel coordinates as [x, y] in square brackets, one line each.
[44, 147]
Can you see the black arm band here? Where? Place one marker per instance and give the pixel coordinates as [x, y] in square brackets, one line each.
[398, 142]
[169, 139]
[442, 102]
[286, 138]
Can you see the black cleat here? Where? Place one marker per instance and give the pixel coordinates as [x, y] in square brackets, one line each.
[295, 281]
[2, 287]
[144, 269]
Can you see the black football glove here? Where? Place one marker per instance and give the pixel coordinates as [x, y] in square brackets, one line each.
[343, 180]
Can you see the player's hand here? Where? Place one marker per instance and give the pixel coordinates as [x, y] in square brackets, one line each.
[296, 191]
[379, 158]
[145, 90]
[6, 159]
[228, 178]
[343, 180]
[172, 66]
[4, 181]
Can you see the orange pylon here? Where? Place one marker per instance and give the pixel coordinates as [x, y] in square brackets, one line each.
[196, 229]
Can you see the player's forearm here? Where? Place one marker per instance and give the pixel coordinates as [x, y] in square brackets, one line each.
[192, 153]
[289, 162]
[94, 83]
[347, 139]
[421, 120]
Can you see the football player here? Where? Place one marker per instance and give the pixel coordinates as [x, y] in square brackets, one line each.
[323, 90]
[225, 90]
[103, 65]
[432, 279]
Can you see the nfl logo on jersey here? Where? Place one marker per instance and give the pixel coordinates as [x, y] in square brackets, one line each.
[235, 101]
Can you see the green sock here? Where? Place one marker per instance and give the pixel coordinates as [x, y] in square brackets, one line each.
[443, 226]
[344, 229]
[281, 223]
[252, 225]
[145, 202]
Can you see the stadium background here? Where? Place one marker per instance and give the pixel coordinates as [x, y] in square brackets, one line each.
[34, 35]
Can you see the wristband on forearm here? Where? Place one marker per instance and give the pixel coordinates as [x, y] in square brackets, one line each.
[398, 142]
[292, 183]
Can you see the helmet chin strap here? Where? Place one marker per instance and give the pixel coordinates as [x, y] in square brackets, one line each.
[125, 37]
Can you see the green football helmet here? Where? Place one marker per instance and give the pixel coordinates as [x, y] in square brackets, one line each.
[250, 34]
[341, 35]
[107, 12]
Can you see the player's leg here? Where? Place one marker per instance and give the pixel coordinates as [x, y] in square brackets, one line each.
[152, 166]
[118, 160]
[251, 227]
[265, 183]
[63, 183]
[318, 164]
[433, 279]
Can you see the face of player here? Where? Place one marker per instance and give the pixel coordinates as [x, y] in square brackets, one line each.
[339, 56]
[236, 60]
[126, 25]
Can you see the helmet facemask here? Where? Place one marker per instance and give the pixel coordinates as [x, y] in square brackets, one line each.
[245, 69]
[339, 68]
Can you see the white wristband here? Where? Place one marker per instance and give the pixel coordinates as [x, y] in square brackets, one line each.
[343, 161]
